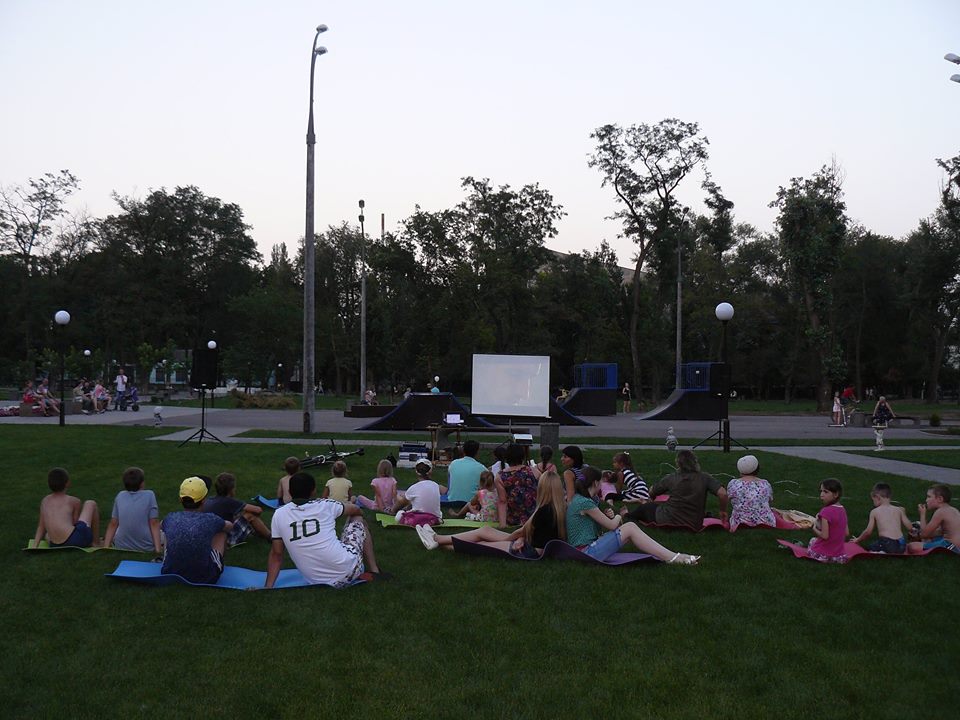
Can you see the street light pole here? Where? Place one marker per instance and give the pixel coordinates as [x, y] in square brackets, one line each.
[62, 318]
[955, 59]
[724, 313]
[309, 261]
[363, 306]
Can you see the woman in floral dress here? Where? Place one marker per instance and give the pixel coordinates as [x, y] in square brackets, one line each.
[750, 496]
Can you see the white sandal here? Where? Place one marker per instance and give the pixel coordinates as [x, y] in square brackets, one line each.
[681, 559]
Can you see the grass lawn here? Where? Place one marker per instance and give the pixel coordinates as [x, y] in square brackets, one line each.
[750, 633]
[487, 438]
[940, 458]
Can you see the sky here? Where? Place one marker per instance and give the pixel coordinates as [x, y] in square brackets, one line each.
[413, 96]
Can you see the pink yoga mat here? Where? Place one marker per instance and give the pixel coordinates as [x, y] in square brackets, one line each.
[852, 551]
[553, 549]
[711, 523]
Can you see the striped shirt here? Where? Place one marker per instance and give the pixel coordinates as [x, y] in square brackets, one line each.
[634, 488]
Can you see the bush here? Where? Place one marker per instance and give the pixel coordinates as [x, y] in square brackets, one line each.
[264, 400]
[935, 420]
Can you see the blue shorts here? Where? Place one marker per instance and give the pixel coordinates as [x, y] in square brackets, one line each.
[941, 542]
[604, 546]
[82, 536]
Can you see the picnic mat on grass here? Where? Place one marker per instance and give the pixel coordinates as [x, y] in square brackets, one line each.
[271, 503]
[553, 549]
[853, 551]
[391, 521]
[45, 545]
[712, 523]
[233, 578]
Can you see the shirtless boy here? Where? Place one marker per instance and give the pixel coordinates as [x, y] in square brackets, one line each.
[292, 466]
[64, 520]
[887, 519]
[943, 528]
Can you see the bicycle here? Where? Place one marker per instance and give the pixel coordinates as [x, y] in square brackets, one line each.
[332, 456]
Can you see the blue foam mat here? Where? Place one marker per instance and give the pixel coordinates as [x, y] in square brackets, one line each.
[272, 503]
[233, 578]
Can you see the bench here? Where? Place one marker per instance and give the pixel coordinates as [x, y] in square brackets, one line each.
[70, 408]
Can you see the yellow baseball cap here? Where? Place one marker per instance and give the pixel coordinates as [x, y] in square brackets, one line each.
[193, 488]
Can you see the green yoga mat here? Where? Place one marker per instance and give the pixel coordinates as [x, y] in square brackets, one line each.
[45, 545]
[391, 521]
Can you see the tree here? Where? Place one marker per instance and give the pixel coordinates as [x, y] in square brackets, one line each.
[26, 217]
[812, 230]
[645, 165]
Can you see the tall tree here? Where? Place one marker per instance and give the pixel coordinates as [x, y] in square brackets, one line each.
[645, 164]
[812, 227]
[27, 215]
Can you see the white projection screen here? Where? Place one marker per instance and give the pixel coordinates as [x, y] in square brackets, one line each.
[517, 385]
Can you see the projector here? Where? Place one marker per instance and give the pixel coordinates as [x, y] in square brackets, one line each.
[523, 438]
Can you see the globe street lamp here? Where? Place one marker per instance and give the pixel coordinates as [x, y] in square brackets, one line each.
[724, 313]
[363, 306]
[309, 260]
[62, 318]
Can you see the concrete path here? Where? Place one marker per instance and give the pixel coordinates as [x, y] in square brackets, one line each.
[227, 424]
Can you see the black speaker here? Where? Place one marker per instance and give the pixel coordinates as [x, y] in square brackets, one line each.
[719, 379]
[203, 372]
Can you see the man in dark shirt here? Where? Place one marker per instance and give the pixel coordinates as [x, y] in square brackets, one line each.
[687, 488]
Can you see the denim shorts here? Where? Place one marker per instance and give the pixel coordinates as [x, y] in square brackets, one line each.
[604, 546]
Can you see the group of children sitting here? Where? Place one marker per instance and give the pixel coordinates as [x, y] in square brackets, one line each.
[587, 520]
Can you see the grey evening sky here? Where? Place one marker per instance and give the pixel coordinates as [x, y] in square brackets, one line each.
[412, 96]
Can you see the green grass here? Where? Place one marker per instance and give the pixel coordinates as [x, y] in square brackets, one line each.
[750, 633]
[939, 458]
[488, 438]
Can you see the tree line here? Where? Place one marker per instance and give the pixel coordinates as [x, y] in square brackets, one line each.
[819, 300]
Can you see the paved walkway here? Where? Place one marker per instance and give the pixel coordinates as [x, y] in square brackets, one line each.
[228, 424]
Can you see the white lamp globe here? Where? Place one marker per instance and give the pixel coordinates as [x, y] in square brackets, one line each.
[86, 353]
[724, 312]
[62, 317]
[212, 345]
[436, 378]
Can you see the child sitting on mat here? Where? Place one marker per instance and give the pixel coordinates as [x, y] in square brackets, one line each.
[545, 524]
[422, 498]
[338, 487]
[135, 519]
[196, 540]
[244, 516]
[608, 489]
[633, 490]
[483, 505]
[943, 530]
[384, 490]
[290, 466]
[64, 520]
[831, 525]
[887, 519]
[585, 520]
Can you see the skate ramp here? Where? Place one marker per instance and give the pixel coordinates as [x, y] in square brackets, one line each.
[686, 404]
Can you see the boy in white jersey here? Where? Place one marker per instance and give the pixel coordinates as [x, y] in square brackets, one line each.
[306, 527]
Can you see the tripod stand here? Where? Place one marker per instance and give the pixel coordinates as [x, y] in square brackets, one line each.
[723, 437]
[202, 432]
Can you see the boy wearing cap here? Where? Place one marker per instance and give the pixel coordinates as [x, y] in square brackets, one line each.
[422, 498]
[306, 527]
[196, 540]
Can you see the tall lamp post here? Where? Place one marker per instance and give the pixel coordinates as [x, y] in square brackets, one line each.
[955, 59]
[363, 306]
[724, 313]
[62, 318]
[309, 261]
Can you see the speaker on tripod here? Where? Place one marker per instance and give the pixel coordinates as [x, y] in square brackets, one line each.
[203, 376]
